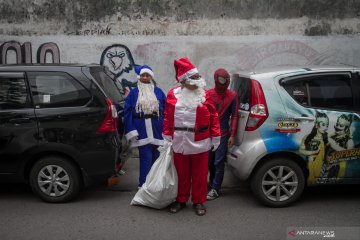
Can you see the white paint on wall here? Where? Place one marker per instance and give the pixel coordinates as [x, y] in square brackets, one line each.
[207, 53]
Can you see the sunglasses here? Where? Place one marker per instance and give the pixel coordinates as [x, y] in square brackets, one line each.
[195, 77]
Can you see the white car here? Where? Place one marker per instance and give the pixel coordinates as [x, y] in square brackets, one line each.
[297, 127]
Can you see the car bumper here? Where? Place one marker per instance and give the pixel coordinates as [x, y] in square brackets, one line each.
[242, 159]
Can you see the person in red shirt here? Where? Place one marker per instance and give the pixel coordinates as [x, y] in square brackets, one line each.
[192, 124]
[226, 104]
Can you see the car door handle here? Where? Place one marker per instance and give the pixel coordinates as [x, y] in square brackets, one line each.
[61, 117]
[19, 120]
[309, 119]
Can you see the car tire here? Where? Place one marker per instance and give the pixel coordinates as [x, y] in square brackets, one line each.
[55, 179]
[278, 182]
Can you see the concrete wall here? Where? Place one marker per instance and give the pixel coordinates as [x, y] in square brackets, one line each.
[235, 35]
[232, 53]
[179, 17]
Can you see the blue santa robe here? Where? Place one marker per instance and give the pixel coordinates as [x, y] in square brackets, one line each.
[147, 128]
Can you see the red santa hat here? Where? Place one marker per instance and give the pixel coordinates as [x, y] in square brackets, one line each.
[184, 69]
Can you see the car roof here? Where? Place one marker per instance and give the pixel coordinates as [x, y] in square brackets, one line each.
[289, 69]
[44, 67]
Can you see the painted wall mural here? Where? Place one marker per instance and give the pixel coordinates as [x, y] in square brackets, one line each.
[120, 63]
[121, 54]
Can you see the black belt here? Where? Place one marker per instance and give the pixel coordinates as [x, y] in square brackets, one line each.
[147, 116]
[202, 129]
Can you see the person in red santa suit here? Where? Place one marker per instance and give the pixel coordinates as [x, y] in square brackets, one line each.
[226, 104]
[192, 124]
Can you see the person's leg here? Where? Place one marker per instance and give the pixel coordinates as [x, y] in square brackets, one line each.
[155, 153]
[199, 171]
[182, 165]
[219, 164]
[145, 155]
[211, 167]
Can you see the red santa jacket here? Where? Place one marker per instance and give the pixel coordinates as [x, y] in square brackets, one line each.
[192, 130]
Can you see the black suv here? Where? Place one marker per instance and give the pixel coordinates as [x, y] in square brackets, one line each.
[58, 127]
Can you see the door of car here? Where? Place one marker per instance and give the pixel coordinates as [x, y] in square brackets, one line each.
[325, 109]
[112, 91]
[61, 106]
[241, 85]
[18, 126]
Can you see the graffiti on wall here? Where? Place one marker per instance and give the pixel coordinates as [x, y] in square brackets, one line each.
[97, 30]
[120, 62]
[250, 57]
[23, 53]
[207, 56]
[276, 53]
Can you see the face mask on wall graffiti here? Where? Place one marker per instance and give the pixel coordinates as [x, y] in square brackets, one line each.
[116, 59]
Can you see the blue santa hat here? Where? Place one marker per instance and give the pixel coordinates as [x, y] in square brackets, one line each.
[144, 69]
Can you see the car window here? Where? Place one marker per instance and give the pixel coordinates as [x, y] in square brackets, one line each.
[328, 91]
[57, 89]
[107, 84]
[242, 87]
[13, 93]
[298, 90]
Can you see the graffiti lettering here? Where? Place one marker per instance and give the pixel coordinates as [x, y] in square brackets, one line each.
[93, 31]
[12, 45]
[48, 48]
[143, 32]
[24, 52]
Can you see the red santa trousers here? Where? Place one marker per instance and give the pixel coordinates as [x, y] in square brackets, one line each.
[192, 173]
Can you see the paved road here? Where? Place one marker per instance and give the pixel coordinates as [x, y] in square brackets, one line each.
[105, 213]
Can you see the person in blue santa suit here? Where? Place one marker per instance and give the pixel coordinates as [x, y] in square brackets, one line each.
[143, 115]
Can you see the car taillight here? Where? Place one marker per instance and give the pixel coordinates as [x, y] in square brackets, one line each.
[258, 109]
[109, 125]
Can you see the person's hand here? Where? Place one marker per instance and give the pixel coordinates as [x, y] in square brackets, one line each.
[215, 142]
[167, 138]
[231, 142]
[213, 147]
[134, 139]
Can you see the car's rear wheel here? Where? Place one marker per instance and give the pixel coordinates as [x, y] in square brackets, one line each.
[55, 179]
[278, 182]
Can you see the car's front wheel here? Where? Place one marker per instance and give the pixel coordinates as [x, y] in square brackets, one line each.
[278, 182]
[55, 179]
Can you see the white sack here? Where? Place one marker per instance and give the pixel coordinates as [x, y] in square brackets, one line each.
[161, 185]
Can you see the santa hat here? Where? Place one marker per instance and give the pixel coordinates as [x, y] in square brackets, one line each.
[184, 69]
[144, 69]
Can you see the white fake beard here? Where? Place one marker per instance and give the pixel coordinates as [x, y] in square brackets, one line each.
[200, 83]
[193, 98]
[147, 101]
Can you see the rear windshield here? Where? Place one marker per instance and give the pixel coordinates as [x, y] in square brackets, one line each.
[107, 84]
[242, 86]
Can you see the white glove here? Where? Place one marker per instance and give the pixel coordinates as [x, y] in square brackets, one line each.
[134, 139]
[215, 143]
[167, 138]
[213, 148]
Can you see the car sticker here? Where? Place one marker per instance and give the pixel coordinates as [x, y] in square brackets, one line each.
[46, 98]
[297, 92]
[287, 126]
